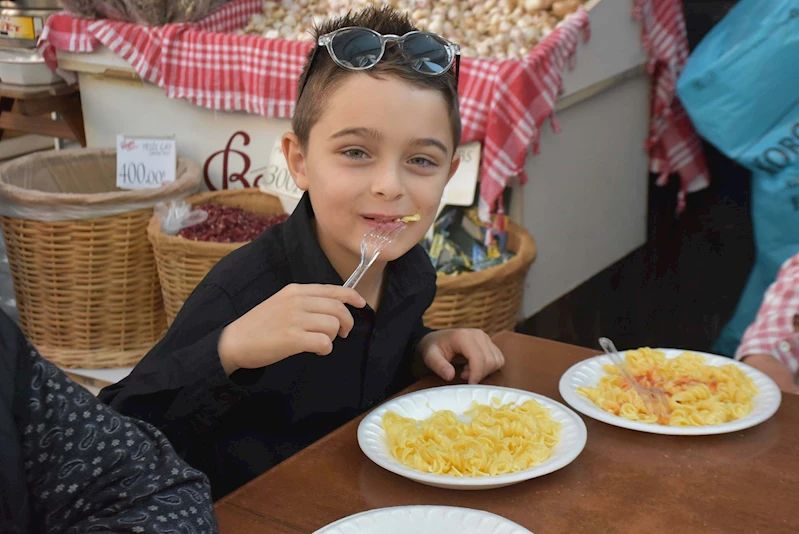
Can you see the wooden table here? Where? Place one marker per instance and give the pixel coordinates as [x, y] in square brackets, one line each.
[624, 481]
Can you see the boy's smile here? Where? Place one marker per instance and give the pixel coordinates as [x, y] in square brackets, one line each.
[382, 150]
[373, 219]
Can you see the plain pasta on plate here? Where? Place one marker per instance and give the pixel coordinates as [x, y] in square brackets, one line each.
[496, 440]
[699, 394]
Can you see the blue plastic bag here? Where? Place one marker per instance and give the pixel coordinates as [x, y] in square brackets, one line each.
[741, 90]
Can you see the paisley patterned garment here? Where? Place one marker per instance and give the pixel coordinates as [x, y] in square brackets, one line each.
[87, 468]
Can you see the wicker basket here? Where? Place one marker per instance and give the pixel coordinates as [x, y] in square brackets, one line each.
[489, 300]
[86, 287]
[183, 263]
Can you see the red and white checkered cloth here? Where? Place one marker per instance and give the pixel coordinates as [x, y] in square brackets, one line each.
[673, 144]
[504, 104]
[773, 331]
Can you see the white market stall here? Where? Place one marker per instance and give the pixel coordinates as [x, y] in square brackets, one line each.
[585, 202]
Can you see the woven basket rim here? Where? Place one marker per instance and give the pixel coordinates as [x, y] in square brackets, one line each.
[525, 254]
[525, 251]
[187, 180]
[159, 238]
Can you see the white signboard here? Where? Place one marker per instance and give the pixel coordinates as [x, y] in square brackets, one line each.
[277, 180]
[460, 189]
[145, 162]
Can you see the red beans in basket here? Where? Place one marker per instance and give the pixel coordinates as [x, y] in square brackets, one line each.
[226, 224]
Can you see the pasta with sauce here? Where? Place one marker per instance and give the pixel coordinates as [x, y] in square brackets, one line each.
[699, 394]
[499, 439]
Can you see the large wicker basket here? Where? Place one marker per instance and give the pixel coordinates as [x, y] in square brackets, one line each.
[489, 300]
[183, 263]
[84, 274]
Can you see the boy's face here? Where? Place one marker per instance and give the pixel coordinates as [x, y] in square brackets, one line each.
[382, 149]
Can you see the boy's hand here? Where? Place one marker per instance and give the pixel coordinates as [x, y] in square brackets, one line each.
[769, 365]
[437, 350]
[298, 318]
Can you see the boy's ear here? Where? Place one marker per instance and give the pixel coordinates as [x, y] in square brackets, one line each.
[453, 167]
[295, 159]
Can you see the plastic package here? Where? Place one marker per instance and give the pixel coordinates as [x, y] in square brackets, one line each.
[459, 243]
[176, 215]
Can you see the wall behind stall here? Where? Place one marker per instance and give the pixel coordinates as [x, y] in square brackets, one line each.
[681, 287]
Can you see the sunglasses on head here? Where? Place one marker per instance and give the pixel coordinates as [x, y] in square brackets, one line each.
[362, 48]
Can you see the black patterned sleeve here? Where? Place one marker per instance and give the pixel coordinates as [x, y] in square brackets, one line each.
[90, 469]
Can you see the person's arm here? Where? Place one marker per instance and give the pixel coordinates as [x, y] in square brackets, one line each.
[89, 469]
[180, 386]
[775, 324]
[775, 369]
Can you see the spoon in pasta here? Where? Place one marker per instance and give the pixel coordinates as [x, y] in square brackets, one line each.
[655, 399]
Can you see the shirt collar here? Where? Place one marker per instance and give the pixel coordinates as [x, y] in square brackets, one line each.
[308, 262]
[407, 275]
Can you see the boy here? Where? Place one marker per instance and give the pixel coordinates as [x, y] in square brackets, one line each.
[266, 356]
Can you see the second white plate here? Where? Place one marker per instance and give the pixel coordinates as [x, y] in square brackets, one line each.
[424, 520]
[587, 373]
[421, 405]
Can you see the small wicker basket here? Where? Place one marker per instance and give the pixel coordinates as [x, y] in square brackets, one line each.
[489, 300]
[84, 273]
[183, 263]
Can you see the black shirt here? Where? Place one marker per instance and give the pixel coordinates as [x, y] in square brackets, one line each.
[235, 428]
[70, 464]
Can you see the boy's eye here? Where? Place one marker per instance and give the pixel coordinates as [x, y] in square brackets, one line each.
[422, 162]
[355, 153]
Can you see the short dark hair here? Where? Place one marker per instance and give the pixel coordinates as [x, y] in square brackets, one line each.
[327, 76]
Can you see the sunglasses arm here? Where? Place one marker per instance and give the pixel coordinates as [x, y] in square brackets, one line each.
[457, 70]
[307, 72]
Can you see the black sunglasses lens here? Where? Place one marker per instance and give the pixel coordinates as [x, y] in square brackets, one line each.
[427, 53]
[357, 49]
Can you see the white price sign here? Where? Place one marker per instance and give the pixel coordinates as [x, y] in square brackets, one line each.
[145, 162]
[460, 189]
[277, 179]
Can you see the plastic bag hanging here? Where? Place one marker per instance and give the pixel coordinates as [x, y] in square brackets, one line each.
[177, 215]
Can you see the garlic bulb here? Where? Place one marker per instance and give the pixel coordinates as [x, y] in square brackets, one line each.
[499, 29]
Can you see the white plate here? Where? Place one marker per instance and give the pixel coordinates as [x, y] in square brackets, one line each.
[423, 520]
[421, 405]
[588, 372]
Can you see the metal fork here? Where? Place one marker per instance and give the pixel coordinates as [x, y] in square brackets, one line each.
[373, 242]
[655, 399]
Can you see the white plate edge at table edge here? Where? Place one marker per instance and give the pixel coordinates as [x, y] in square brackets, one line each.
[418, 506]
